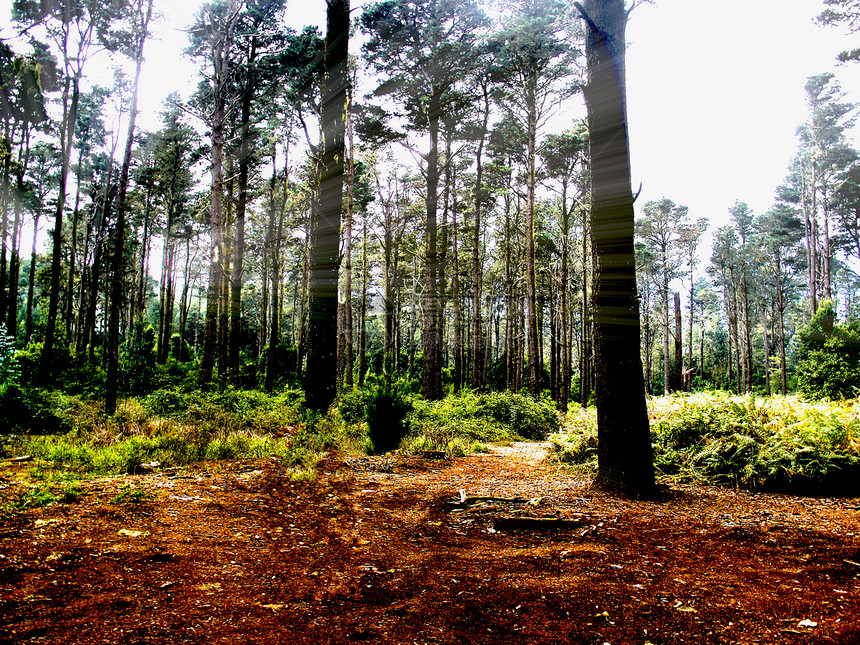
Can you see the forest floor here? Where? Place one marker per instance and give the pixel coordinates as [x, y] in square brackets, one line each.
[388, 551]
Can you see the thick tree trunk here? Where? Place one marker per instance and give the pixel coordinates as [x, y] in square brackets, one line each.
[362, 311]
[67, 130]
[241, 207]
[348, 355]
[478, 357]
[321, 374]
[624, 444]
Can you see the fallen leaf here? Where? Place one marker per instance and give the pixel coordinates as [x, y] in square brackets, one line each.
[130, 533]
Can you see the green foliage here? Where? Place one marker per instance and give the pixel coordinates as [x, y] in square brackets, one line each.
[490, 416]
[352, 405]
[137, 369]
[577, 442]
[829, 365]
[129, 495]
[33, 498]
[23, 408]
[778, 443]
[172, 428]
[464, 423]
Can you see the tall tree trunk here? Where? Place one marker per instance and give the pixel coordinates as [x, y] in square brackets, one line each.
[241, 207]
[15, 264]
[531, 279]
[362, 311]
[348, 357]
[811, 245]
[118, 284]
[67, 129]
[664, 299]
[679, 350]
[459, 370]
[431, 333]
[31, 281]
[478, 358]
[690, 367]
[320, 378]
[624, 444]
[220, 62]
[766, 352]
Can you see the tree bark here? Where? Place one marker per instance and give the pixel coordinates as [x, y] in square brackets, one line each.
[220, 63]
[321, 374]
[531, 279]
[625, 458]
[431, 332]
[679, 351]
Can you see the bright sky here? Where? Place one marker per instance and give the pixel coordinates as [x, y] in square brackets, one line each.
[716, 95]
[715, 91]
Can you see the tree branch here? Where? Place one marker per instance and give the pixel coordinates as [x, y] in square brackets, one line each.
[586, 17]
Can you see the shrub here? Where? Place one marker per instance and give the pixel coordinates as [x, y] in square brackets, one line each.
[492, 416]
[779, 443]
[352, 405]
[829, 365]
[386, 416]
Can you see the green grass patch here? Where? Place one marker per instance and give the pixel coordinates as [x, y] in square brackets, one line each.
[129, 495]
[177, 429]
[775, 443]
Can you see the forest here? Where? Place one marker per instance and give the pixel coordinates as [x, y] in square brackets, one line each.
[372, 339]
[409, 217]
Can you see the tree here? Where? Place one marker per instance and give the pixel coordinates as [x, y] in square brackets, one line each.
[21, 110]
[324, 261]
[424, 47]
[141, 15]
[779, 233]
[690, 236]
[565, 157]
[212, 38]
[824, 153]
[74, 27]
[847, 12]
[625, 458]
[660, 228]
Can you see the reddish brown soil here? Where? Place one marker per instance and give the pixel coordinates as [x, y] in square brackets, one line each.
[239, 553]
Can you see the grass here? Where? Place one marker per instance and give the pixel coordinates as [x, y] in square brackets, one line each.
[774, 443]
[177, 429]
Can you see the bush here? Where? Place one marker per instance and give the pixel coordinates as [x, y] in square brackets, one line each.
[386, 416]
[492, 416]
[778, 443]
[352, 405]
[829, 365]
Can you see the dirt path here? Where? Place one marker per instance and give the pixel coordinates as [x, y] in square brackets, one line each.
[385, 551]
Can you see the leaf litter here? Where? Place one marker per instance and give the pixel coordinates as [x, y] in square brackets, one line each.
[394, 554]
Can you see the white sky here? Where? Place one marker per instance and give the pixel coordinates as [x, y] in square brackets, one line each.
[715, 90]
[716, 95]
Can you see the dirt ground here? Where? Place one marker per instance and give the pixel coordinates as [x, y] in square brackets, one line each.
[388, 551]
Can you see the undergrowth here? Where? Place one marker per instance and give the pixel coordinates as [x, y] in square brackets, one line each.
[466, 422]
[775, 443]
[175, 429]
